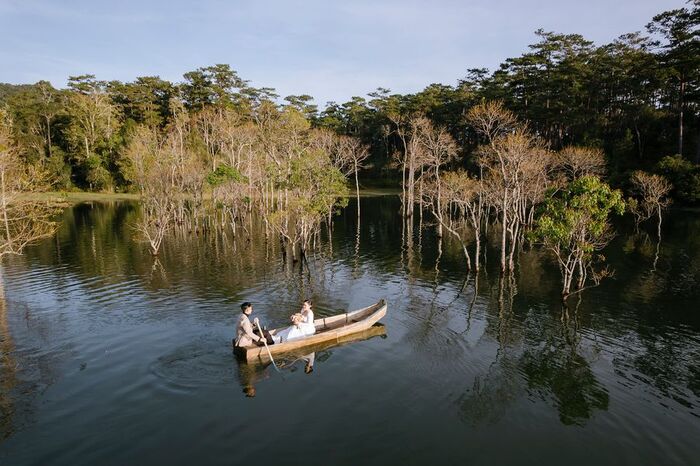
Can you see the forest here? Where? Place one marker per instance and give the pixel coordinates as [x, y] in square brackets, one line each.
[635, 98]
[548, 146]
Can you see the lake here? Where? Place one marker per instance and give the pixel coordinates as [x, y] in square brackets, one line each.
[110, 357]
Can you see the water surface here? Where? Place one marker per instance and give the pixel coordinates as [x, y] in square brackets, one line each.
[111, 358]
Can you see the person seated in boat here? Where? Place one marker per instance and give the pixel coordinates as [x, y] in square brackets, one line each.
[302, 324]
[245, 336]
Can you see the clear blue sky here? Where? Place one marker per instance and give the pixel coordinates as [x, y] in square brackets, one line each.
[329, 49]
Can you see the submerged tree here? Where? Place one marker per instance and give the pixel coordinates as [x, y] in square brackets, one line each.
[573, 224]
[439, 149]
[151, 167]
[412, 157]
[349, 156]
[24, 219]
[313, 188]
[455, 201]
[466, 196]
[229, 191]
[651, 197]
[515, 165]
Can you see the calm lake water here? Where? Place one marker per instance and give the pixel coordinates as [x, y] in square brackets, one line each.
[108, 358]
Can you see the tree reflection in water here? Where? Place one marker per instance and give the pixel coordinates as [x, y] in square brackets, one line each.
[542, 358]
[8, 369]
[556, 369]
[26, 370]
[492, 393]
[490, 347]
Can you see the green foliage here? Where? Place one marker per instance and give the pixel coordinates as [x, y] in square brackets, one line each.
[685, 177]
[224, 174]
[576, 217]
[304, 104]
[623, 97]
[58, 170]
[324, 184]
[92, 132]
[212, 85]
[145, 101]
[97, 175]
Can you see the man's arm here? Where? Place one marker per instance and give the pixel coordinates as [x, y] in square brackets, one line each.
[248, 330]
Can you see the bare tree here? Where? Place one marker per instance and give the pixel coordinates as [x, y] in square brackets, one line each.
[439, 148]
[576, 162]
[438, 201]
[468, 197]
[461, 207]
[651, 197]
[515, 165]
[492, 120]
[495, 123]
[151, 166]
[25, 219]
[156, 219]
[410, 130]
[349, 157]
[347, 154]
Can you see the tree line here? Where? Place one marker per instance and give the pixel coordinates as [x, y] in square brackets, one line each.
[635, 98]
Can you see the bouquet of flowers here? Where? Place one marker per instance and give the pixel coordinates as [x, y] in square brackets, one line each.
[297, 318]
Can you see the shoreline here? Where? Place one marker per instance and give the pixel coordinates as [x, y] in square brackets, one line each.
[76, 197]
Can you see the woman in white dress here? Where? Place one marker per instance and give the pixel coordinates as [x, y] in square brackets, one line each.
[303, 325]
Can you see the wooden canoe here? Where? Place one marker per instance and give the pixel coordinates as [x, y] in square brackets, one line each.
[328, 329]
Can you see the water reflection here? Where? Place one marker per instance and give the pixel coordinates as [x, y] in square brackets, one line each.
[8, 368]
[249, 374]
[492, 392]
[538, 355]
[92, 328]
[555, 369]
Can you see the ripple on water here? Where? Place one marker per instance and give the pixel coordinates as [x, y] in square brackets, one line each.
[204, 362]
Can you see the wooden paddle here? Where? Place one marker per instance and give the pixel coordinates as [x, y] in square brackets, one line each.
[264, 339]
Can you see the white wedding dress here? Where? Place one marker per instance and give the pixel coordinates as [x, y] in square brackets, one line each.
[304, 329]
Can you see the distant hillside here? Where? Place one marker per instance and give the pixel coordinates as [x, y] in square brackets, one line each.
[6, 90]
